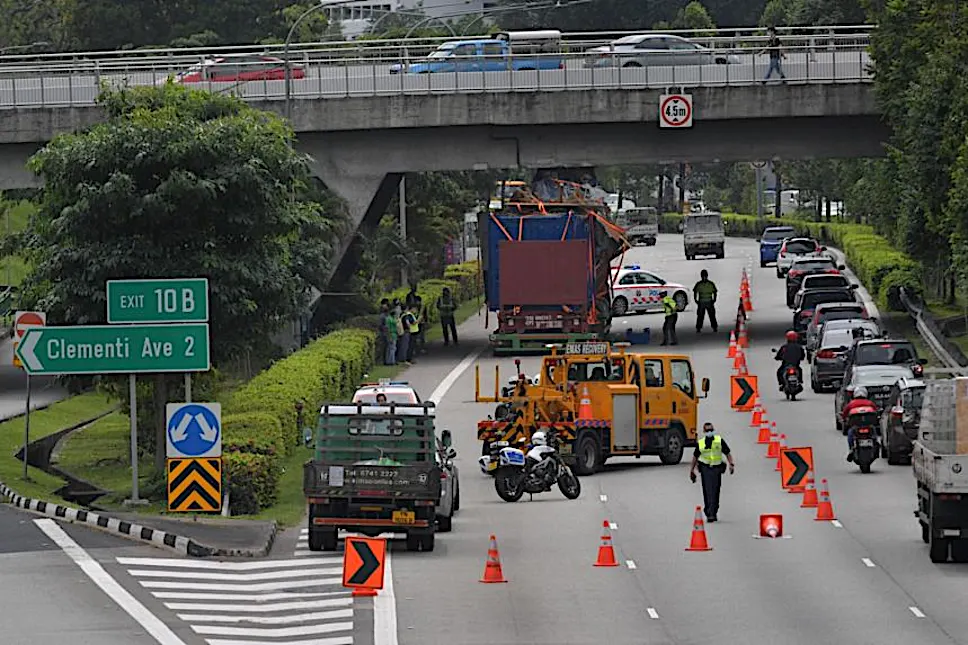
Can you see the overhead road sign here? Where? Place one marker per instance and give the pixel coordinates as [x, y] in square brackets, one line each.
[795, 463]
[178, 300]
[742, 391]
[193, 429]
[22, 321]
[111, 349]
[675, 111]
[195, 485]
[363, 561]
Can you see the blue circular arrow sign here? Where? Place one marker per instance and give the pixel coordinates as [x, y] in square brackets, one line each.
[194, 429]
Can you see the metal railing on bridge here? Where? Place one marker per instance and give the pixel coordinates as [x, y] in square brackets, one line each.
[372, 68]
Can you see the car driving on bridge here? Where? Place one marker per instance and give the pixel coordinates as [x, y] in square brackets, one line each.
[239, 69]
[655, 50]
[635, 291]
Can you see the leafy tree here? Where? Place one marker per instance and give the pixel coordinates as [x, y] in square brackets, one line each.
[693, 17]
[176, 183]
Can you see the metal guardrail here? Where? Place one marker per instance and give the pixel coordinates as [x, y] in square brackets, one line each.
[840, 62]
[949, 354]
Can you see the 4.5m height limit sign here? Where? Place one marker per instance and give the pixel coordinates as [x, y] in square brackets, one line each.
[675, 111]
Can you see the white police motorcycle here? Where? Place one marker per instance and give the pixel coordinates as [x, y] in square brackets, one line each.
[517, 472]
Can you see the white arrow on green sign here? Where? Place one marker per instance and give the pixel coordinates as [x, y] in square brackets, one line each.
[112, 349]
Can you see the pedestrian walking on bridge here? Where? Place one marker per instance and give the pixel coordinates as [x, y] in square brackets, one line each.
[705, 295]
[708, 456]
[671, 312]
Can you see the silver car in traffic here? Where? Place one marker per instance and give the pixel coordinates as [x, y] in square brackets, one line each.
[449, 502]
[830, 360]
[655, 50]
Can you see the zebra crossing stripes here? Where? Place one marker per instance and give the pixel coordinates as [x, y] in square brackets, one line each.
[282, 602]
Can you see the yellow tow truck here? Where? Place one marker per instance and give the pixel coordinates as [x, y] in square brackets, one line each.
[604, 402]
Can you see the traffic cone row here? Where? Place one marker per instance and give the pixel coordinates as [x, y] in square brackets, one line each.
[731, 352]
[743, 339]
[756, 419]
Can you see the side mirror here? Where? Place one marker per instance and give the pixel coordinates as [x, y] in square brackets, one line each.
[705, 385]
[855, 286]
[758, 240]
[446, 438]
[841, 267]
[308, 437]
[922, 361]
[823, 248]
[450, 453]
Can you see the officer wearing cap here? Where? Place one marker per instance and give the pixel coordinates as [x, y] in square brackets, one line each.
[671, 312]
[710, 450]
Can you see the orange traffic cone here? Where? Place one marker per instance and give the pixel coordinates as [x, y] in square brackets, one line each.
[357, 593]
[757, 418]
[732, 345]
[743, 339]
[780, 447]
[773, 449]
[585, 404]
[810, 492]
[764, 436]
[698, 540]
[825, 510]
[492, 570]
[606, 554]
[739, 359]
[771, 525]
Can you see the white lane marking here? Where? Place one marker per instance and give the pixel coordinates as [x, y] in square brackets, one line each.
[917, 612]
[206, 564]
[337, 640]
[613, 526]
[444, 386]
[837, 524]
[269, 632]
[603, 498]
[263, 608]
[653, 614]
[250, 597]
[630, 564]
[385, 609]
[93, 570]
[267, 620]
[259, 586]
[868, 562]
[238, 577]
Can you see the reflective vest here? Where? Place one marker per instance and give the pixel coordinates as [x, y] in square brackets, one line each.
[705, 290]
[410, 322]
[668, 306]
[446, 308]
[713, 455]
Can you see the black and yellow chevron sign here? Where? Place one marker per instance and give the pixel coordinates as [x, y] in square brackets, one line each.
[195, 484]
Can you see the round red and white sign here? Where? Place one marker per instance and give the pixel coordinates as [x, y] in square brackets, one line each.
[675, 111]
[24, 320]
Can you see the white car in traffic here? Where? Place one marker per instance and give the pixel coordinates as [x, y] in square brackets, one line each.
[636, 291]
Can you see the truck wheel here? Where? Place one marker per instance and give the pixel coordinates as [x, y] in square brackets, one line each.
[763, 264]
[456, 497]
[323, 539]
[674, 449]
[925, 533]
[893, 459]
[413, 541]
[588, 455]
[427, 542]
[620, 306]
[722, 252]
[445, 524]
[938, 548]
[959, 550]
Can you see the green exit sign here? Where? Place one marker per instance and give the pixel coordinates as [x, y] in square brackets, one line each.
[179, 300]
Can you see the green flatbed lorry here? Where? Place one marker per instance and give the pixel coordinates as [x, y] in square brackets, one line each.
[373, 471]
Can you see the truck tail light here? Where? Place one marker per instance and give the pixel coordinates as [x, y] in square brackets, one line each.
[950, 497]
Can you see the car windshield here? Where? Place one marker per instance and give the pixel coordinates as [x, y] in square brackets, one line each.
[814, 298]
[703, 223]
[392, 397]
[820, 264]
[839, 314]
[443, 51]
[629, 40]
[850, 324]
[837, 338]
[822, 281]
[801, 246]
[889, 353]
[776, 234]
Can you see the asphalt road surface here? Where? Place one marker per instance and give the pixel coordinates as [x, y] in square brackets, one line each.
[866, 579]
[33, 88]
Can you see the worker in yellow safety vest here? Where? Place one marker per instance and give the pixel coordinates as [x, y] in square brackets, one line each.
[671, 312]
[711, 448]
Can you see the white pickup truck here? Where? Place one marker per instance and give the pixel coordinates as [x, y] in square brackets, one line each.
[703, 234]
[942, 475]
[641, 224]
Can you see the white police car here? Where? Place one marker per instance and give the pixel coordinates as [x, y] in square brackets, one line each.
[392, 391]
[636, 291]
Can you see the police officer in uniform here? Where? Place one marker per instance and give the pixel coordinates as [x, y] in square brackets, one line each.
[705, 294]
[671, 313]
[710, 450]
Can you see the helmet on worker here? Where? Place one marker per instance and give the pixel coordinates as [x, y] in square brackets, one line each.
[539, 439]
[792, 336]
[860, 393]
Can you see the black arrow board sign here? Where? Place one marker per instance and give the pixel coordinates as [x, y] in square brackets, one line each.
[368, 567]
[747, 394]
[800, 465]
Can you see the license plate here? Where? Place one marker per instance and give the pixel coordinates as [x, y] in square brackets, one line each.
[404, 517]
[865, 443]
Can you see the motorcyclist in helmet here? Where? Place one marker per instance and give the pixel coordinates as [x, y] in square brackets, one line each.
[790, 354]
[539, 439]
[859, 400]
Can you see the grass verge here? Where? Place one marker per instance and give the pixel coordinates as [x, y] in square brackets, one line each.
[99, 455]
[54, 418]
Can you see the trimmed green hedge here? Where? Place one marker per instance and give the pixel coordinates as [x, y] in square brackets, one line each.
[878, 265]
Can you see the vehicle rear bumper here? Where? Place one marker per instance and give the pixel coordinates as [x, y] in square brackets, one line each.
[824, 372]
